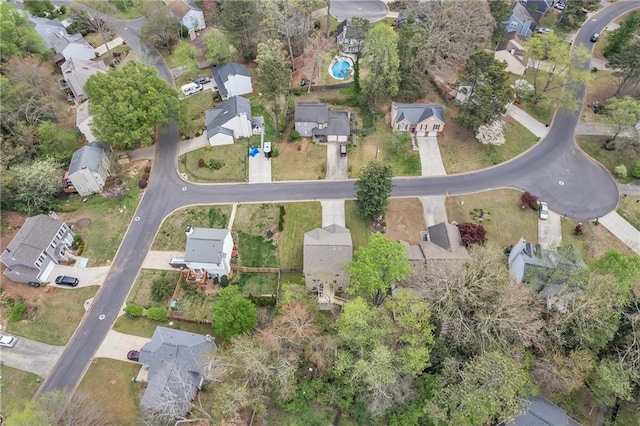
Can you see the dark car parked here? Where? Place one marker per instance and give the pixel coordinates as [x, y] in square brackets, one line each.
[35, 284]
[133, 356]
[68, 281]
[201, 80]
[595, 37]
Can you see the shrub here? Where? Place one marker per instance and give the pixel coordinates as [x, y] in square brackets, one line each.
[215, 164]
[145, 176]
[578, 229]
[636, 170]
[276, 152]
[297, 91]
[208, 147]
[157, 314]
[201, 162]
[472, 233]
[134, 310]
[80, 248]
[162, 288]
[142, 183]
[529, 200]
[17, 311]
[147, 169]
[224, 281]
[620, 171]
[281, 218]
[294, 136]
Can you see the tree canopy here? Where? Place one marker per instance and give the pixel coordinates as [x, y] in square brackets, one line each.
[232, 313]
[162, 30]
[128, 103]
[373, 189]
[381, 59]
[273, 74]
[18, 36]
[34, 185]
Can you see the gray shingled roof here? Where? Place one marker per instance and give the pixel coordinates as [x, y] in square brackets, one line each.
[522, 13]
[61, 41]
[215, 118]
[351, 32]
[76, 71]
[327, 249]
[338, 124]
[415, 113]
[33, 237]
[221, 74]
[88, 156]
[445, 235]
[542, 412]
[311, 112]
[175, 359]
[205, 245]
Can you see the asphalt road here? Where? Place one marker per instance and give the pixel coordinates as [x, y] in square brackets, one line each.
[372, 10]
[554, 169]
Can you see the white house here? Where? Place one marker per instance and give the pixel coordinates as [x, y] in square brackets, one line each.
[232, 79]
[313, 119]
[89, 169]
[228, 121]
[190, 15]
[208, 250]
[83, 121]
[76, 72]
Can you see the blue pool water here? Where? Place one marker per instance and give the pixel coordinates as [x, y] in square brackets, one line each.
[340, 69]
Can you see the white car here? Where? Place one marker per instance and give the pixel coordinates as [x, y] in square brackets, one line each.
[560, 6]
[7, 341]
[544, 30]
[543, 210]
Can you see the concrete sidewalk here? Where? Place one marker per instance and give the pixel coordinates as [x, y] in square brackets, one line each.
[149, 152]
[622, 229]
[600, 129]
[632, 188]
[534, 126]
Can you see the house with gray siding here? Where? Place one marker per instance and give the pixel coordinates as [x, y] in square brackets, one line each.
[47, 27]
[42, 243]
[316, 120]
[89, 169]
[175, 361]
[229, 121]
[522, 20]
[190, 15]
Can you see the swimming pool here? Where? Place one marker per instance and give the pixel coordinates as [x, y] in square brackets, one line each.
[340, 69]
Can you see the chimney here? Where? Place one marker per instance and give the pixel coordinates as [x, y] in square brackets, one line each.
[189, 230]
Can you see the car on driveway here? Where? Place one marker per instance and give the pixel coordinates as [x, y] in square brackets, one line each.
[544, 30]
[7, 341]
[67, 280]
[201, 80]
[560, 6]
[543, 210]
[35, 284]
[133, 355]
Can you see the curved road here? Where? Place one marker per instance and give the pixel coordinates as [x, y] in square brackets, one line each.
[554, 169]
[373, 10]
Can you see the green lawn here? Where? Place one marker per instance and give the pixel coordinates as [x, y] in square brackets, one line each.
[145, 327]
[108, 383]
[358, 226]
[298, 219]
[542, 111]
[593, 145]
[292, 278]
[109, 221]
[630, 210]
[140, 294]
[258, 109]
[518, 140]
[234, 159]
[194, 304]
[122, 9]
[505, 220]
[18, 387]
[196, 105]
[256, 250]
[171, 235]
[57, 318]
[299, 161]
[256, 283]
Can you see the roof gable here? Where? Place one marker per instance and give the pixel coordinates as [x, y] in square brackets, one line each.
[314, 112]
[33, 237]
[206, 245]
[217, 117]
[415, 113]
[327, 250]
[222, 73]
[89, 157]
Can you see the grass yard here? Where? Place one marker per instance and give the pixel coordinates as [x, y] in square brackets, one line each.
[18, 387]
[595, 240]
[258, 109]
[234, 159]
[600, 87]
[108, 219]
[108, 383]
[256, 283]
[194, 304]
[292, 278]
[257, 250]
[630, 210]
[298, 219]
[252, 221]
[196, 106]
[358, 226]
[121, 9]
[542, 111]
[299, 161]
[593, 145]
[506, 222]
[56, 318]
[171, 235]
[145, 327]
[140, 294]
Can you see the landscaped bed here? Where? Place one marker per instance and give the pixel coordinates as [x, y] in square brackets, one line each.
[172, 231]
[226, 163]
[141, 293]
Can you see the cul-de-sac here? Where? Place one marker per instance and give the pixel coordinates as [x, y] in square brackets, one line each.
[320, 212]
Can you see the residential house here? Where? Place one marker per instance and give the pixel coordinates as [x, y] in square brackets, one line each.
[512, 52]
[404, 18]
[190, 15]
[538, 267]
[418, 119]
[175, 360]
[542, 412]
[540, 6]
[228, 121]
[89, 169]
[40, 244]
[326, 251]
[348, 38]
[76, 72]
[318, 121]
[208, 251]
[71, 46]
[46, 27]
[232, 79]
[522, 20]
[84, 120]
[442, 242]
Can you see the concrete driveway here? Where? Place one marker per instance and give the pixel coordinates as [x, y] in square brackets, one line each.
[259, 168]
[332, 212]
[430, 158]
[87, 276]
[369, 9]
[160, 260]
[337, 168]
[29, 355]
[116, 345]
[550, 231]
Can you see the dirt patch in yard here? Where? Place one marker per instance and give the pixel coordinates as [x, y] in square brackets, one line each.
[405, 220]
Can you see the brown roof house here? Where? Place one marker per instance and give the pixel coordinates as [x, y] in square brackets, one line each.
[417, 119]
[190, 15]
[41, 243]
[442, 242]
[326, 251]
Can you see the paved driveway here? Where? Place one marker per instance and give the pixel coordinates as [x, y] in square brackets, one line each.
[337, 168]
[369, 9]
[332, 212]
[116, 345]
[550, 231]
[259, 168]
[87, 276]
[430, 158]
[29, 355]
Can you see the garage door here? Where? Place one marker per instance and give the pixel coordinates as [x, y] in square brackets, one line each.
[44, 275]
[433, 134]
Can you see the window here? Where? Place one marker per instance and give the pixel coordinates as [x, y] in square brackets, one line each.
[402, 126]
[436, 127]
[423, 127]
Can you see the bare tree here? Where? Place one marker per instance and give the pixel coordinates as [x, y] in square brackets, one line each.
[92, 24]
[287, 19]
